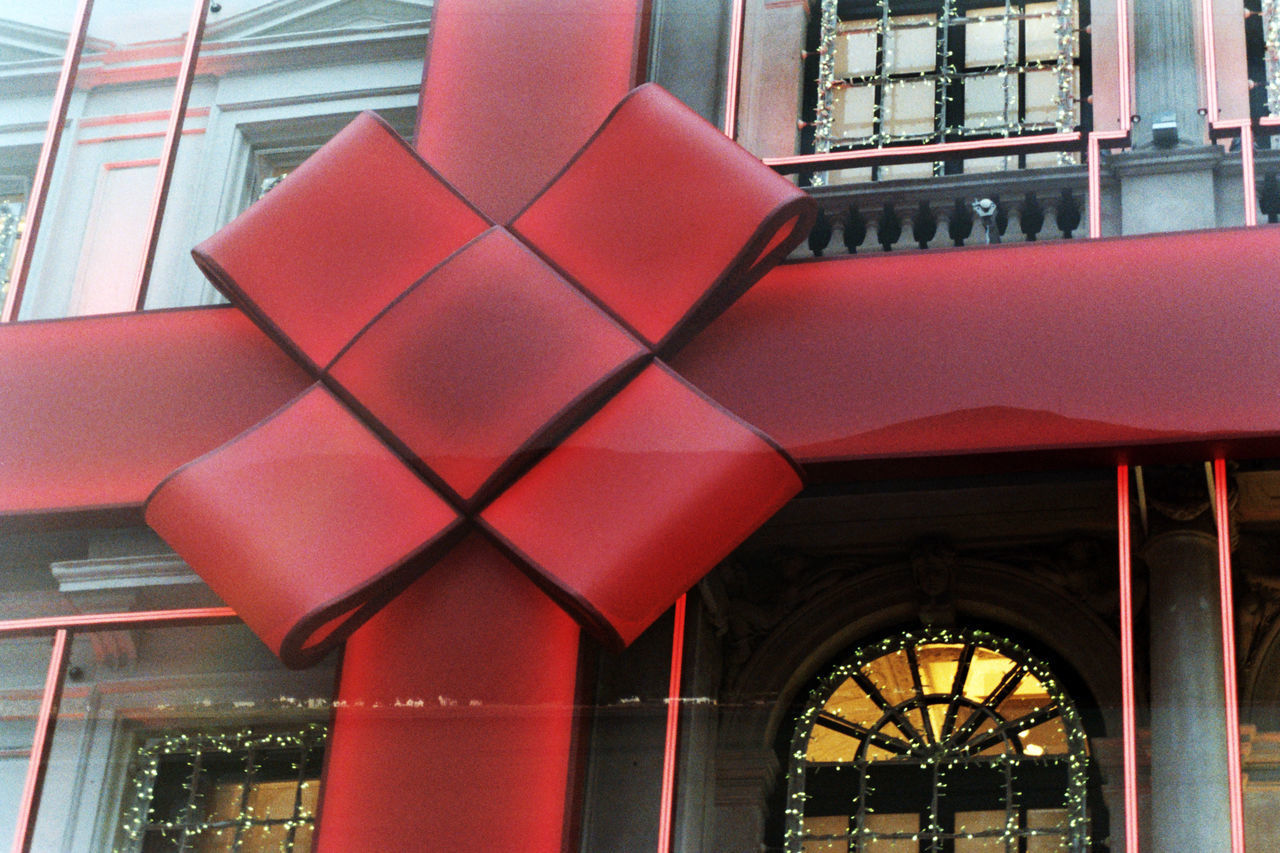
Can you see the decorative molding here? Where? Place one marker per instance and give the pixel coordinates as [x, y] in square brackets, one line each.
[933, 567]
[296, 17]
[21, 42]
[321, 98]
[745, 776]
[121, 573]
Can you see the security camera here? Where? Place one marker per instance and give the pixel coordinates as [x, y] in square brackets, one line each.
[985, 209]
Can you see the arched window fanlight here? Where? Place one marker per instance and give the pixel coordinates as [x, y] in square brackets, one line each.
[938, 740]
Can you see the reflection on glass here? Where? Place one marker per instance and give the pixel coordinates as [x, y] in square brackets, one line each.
[253, 788]
[191, 738]
[23, 664]
[273, 77]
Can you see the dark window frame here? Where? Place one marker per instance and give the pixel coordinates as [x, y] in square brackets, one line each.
[949, 124]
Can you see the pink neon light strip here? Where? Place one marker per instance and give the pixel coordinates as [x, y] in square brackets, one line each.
[38, 764]
[1111, 138]
[1219, 129]
[1123, 66]
[1094, 204]
[1234, 787]
[1129, 725]
[169, 155]
[733, 79]
[1210, 56]
[1247, 175]
[110, 621]
[673, 730]
[44, 167]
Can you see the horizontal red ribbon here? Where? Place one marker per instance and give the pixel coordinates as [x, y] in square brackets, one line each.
[917, 360]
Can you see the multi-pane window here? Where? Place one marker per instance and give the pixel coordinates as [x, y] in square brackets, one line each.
[938, 741]
[208, 792]
[893, 72]
[1262, 43]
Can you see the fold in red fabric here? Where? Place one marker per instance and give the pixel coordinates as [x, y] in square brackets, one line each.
[459, 365]
[633, 508]
[308, 522]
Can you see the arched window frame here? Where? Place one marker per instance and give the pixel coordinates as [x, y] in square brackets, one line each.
[1076, 758]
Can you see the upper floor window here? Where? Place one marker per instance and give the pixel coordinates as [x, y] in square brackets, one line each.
[243, 790]
[893, 72]
[955, 741]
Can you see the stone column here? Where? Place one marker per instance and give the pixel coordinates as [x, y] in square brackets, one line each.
[744, 780]
[1167, 67]
[1169, 189]
[1188, 721]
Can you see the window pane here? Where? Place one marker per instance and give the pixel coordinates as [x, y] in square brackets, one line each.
[911, 44]
[892, 824]
[826, 834]
[1045, 33]
[855, 51]
[991, 39]
[1047, 819]
[990, 825]
[909, 109]
[990, 101]
[1042, 97]
[855, 110]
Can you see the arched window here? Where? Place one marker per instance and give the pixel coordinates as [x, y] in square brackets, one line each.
[935, 740]
[892, 72]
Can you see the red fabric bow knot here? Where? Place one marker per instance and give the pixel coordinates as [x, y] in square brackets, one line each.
[504, 379]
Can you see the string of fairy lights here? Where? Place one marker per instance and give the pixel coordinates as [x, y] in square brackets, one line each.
[881, 127]
[949, 764]
[138, 818]
[10, 229]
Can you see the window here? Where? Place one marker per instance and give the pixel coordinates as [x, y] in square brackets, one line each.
[938, 741]
[1262, 46]
[894, 72]
[206, 792]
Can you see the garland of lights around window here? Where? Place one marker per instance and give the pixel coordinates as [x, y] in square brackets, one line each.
[938, 740]
[889, 76]
[251, 789]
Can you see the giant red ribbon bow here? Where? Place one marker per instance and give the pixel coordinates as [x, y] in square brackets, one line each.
[503, 379]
